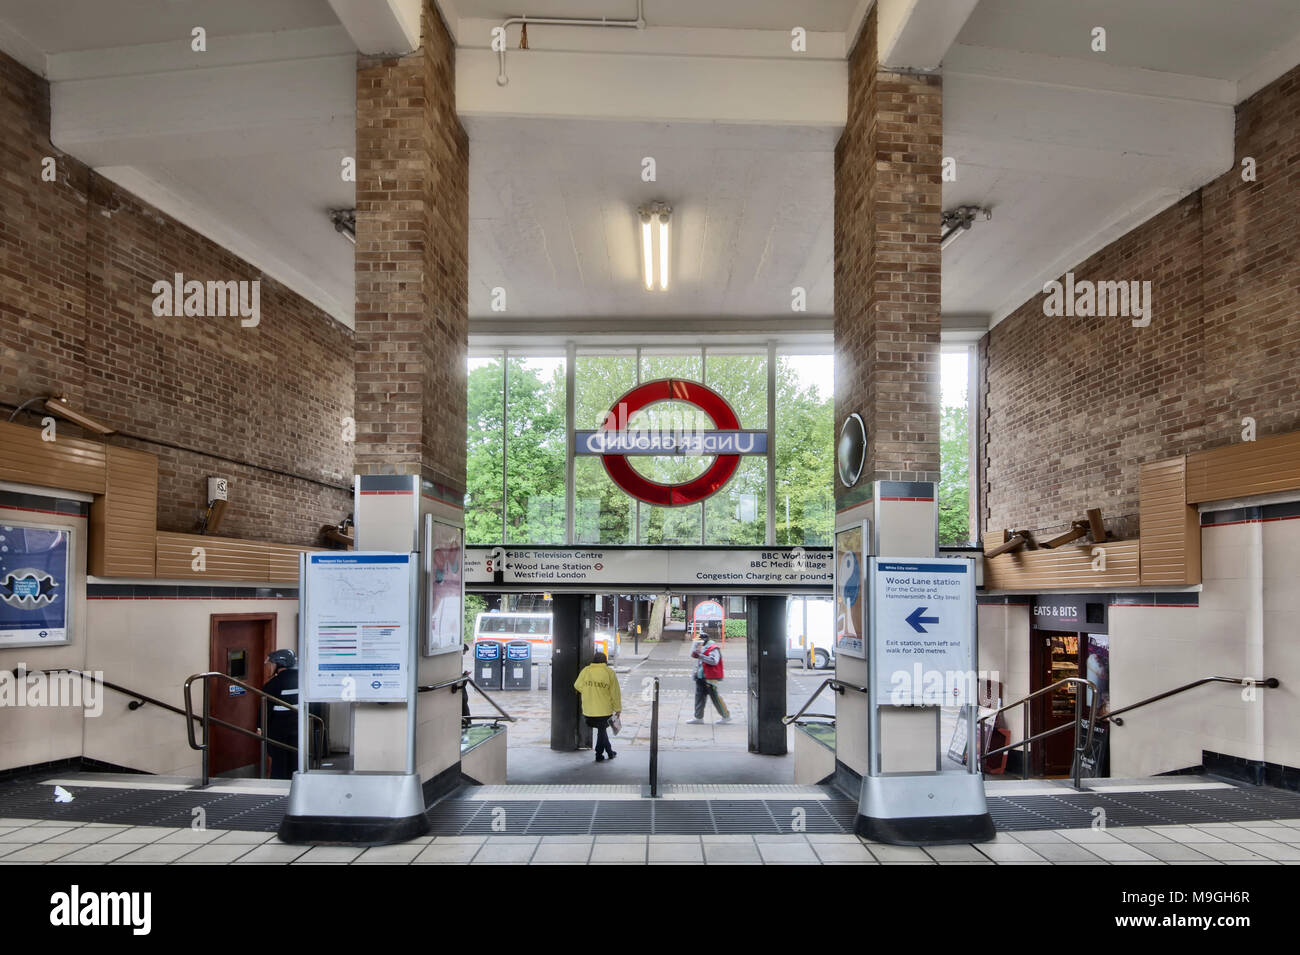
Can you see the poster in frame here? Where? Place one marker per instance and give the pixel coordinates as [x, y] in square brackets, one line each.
[35, 584]
[850, 591]
[444, 586]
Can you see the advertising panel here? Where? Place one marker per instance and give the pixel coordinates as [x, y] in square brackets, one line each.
[850, 592]
[35, 587]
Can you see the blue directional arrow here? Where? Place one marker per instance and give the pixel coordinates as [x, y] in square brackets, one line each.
[915, 619]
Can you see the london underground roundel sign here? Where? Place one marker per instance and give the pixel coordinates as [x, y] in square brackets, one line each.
[614, 442]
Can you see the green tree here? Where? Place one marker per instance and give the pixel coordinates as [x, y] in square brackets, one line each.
[954, 475]
[536, 448]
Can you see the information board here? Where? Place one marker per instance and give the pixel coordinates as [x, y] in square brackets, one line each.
[358, 627]
[924, 631]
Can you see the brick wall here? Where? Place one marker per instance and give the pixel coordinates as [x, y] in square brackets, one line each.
[262, 406]
[1072, 406]
[888, 197]
[412, 280]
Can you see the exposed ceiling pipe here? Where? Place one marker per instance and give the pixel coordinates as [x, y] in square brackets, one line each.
[638, 23]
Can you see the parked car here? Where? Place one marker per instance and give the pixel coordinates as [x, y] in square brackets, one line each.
[810, 631]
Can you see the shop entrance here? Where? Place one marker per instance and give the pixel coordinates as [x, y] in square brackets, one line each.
[1056, 657]
[1069, 638]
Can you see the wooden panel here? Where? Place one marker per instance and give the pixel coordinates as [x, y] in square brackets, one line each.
[283, 562]
[124, 519]
[1063, 568]
[1171, 528]
[68, 464]
[226, 558]
[1266, 466]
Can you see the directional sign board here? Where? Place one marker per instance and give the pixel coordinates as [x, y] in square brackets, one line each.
[924, 612]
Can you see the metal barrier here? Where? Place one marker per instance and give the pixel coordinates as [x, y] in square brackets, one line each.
[1079, 750]
[459, 684]
[1111, 717]
[208, 719]
[839, 686]
[654, 740]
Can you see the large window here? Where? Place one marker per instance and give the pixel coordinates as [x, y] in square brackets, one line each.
[519, 439]
[485, 451]
[805, 445]
[536, 450]
[955, 443]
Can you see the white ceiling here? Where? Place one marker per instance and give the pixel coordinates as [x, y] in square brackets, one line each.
[1218, 38]
[1069, 148]
[62, 26]
[553, 217]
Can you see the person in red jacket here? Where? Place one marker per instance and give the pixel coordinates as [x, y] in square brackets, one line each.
[707, 677]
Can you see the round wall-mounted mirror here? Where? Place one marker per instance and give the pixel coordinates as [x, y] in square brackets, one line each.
[851, 452]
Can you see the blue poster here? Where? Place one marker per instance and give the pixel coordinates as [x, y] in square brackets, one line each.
[34, 586]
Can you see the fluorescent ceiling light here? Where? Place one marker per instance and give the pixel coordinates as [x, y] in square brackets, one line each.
[649, 214]
[663, 250]
[647, 249]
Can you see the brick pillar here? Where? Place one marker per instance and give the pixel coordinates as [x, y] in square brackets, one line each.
[412, 282]
[888, 218]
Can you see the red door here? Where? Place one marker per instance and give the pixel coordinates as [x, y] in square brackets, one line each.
[240, 643]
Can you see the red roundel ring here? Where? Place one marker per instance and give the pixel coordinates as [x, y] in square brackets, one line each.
[711, 481]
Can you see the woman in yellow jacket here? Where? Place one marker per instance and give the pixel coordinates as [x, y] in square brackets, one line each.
[601, 699]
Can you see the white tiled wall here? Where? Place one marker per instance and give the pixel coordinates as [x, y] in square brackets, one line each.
[1003, 632]
[1245, 626]
[152, 646]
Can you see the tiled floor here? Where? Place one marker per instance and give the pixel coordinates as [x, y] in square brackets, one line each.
[24, 841]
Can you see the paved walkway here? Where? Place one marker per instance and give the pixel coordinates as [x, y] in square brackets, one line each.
[670, 660]
[23, 841]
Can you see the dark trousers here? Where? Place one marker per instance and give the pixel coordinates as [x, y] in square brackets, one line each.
[601, 725]
[704, 690]
[283, 762]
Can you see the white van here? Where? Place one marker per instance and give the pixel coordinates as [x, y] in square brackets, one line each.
[510, 625]
[810, 631]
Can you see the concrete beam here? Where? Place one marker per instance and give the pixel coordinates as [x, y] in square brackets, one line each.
[1035, 115]
[380, 26]
[201, 113]
[914, 35]
[810, 92]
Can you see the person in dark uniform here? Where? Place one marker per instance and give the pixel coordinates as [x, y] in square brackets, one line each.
[282, 722]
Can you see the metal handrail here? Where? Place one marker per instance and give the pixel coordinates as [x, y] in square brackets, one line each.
[462, 681]
[209, 719]
[1026, 739]
[1269, 683]
[839, 686]
[140, 698]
